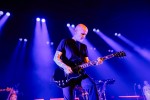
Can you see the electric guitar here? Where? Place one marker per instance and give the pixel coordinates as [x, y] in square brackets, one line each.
[63, 80]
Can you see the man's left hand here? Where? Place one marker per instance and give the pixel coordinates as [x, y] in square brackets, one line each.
[100, 61]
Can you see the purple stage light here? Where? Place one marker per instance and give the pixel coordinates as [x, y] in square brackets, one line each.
[72, 25]
[68, 25]
[37, 19]
[1, 13]
[110, 50]
[43, 20]
[94, 30]
[20, 39]
[116, 34]
[25, 40]
[94, 48]
[97, 30]
[52, 43]
[8, 14]
[119, 34]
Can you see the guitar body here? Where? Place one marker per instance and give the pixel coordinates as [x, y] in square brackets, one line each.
[63, 80]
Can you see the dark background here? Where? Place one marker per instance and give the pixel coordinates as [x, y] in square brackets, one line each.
[128, 17]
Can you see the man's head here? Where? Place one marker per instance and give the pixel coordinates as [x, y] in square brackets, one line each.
[80, 32]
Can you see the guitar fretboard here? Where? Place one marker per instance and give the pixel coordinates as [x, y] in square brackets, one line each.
[91, 63]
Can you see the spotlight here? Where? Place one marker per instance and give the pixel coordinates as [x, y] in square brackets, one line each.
[116, 34]
[110, 50]
[43, 20]
[94, 30]
[97, 30]
[37, 19]
[72, 26]
[20, 39]
[25, 40]
[119, 34]
[68, 25]
[94, 48]
[8, 14]
[1, 13]
[52, 43]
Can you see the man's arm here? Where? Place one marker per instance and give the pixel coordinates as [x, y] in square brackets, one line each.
[61, 64]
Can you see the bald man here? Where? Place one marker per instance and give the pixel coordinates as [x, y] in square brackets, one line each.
[73, 50]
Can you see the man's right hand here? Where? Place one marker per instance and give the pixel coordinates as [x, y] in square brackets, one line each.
[68, 70]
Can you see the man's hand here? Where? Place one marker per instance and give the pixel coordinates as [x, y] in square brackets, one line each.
[100, 61]
[68, 70]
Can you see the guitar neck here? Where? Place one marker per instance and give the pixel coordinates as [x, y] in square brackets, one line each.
[107, 57]
[91, 63]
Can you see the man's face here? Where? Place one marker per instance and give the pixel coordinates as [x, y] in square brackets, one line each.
[80, 33]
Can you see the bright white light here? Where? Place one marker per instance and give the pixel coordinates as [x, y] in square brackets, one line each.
[94, 30]
[25, 40]
[8, 14]
[72, 25]
[20, 39]
[68, 25]
[37, 19]
[116, 34]
[43, 20]
[1, 12]
[97, 30]
[119, 34]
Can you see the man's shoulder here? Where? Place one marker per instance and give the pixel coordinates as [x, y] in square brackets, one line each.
[66, 39]
[84, 44]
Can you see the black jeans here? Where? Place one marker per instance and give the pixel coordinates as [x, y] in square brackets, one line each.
[88, 85]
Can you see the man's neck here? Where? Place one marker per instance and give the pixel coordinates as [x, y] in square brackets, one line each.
[76, 39]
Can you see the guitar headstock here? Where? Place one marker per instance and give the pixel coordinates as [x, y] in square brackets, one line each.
[120, 54]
